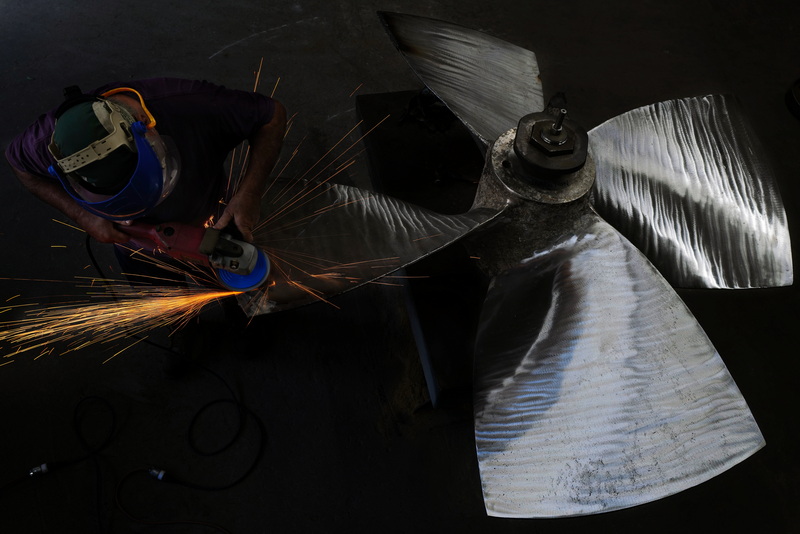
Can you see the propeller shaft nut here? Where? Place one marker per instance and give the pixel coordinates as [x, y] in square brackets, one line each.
[552, 144]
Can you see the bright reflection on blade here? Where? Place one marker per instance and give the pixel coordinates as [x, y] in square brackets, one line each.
[596, 389]
[688, 184]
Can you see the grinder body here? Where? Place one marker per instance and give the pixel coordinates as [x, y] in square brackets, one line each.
[240, 266]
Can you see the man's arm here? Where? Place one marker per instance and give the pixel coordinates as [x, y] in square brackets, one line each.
[51, 192]
[265, 147]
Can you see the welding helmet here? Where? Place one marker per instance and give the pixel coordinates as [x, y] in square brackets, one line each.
[111, 164]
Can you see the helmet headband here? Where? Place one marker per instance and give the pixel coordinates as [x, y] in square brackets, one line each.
[120, 136]
[154, 178]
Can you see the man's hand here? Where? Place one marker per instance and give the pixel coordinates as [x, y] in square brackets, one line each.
[245, 206]
[244, 210]
[101, 229]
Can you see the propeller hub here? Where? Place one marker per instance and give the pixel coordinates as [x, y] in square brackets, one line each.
[505, 179]
[549, 147]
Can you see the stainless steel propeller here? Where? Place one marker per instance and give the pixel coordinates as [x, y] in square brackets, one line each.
[595, 387]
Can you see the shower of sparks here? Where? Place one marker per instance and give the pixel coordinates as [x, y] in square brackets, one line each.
[285, 207]
[130, 313]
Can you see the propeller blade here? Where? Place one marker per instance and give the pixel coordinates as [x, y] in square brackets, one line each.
[324, 239]
[688, 184]
[488, 83]
[595, 387]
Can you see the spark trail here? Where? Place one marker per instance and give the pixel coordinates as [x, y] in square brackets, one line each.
[290, 204]
[132, 312]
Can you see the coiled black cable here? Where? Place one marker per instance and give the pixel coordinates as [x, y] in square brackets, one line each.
[161, 475]
[91, 452]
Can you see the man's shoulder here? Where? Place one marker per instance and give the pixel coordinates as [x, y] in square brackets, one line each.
[28, 151]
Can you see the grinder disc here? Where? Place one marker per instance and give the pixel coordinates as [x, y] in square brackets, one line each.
[246, 282]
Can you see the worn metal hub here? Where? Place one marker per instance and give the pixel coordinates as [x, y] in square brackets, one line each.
[534, 211]
[514, 172]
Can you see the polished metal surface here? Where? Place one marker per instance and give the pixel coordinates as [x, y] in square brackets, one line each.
[596, 389]
[687, 182]
[324, 239]
[487, 82]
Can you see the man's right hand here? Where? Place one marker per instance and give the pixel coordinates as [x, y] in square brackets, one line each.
[101, 229]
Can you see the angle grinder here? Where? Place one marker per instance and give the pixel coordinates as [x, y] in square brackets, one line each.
[240, 266]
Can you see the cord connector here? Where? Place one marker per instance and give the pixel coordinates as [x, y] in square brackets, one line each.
[38, 470]
[156, 473]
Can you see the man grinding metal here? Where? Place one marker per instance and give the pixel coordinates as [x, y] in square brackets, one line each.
[152, 151]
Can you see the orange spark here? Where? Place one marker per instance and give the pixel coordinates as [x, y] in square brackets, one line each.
[316, 294]
[275, 88]
[355, 90]
[428, 237]
[258, 75]
[69, 225]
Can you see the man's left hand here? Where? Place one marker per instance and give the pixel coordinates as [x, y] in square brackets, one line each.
[243, 210]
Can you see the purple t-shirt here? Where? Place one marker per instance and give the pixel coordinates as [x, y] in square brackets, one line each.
[205, 121]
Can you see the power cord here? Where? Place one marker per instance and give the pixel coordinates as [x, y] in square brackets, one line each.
[162, 475]
[91, 452]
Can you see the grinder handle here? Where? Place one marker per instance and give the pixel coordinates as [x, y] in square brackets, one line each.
[178, 240]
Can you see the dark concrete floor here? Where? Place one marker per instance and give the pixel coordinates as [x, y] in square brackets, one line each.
[351, 443]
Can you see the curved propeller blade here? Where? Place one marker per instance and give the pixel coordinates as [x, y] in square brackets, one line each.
[325, 239]
[687, 183]
[595, 387]
[488, 83]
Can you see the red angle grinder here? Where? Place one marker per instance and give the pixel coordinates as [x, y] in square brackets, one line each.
[240, 266]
